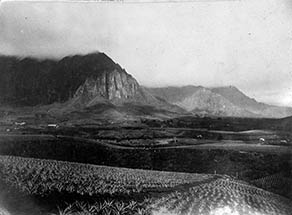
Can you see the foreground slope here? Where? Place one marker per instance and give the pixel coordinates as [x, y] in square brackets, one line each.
[221, 196]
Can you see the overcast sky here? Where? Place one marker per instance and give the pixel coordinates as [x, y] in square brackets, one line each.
[245, 43]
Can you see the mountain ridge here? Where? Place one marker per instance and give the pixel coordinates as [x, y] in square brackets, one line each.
[77, 82]
[83, 81]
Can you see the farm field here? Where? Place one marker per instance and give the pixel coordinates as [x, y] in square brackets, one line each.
[39, 176]
[47, 178]
[165, 190]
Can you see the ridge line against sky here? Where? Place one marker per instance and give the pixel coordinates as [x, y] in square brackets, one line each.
[245, 43]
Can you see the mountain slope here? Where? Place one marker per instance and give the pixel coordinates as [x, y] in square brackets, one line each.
[174, 94]
[75, 81]
[80, 82]
[203, 101]
[239, 99]
[221, 101]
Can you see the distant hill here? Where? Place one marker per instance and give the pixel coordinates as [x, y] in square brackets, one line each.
[204, 101]
[219, 101]
[241, 100]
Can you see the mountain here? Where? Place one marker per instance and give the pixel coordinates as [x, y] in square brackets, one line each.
[205, 102]
[94, 80]
[75, 81]
[239, 99]
[32, 82]
[219, 101]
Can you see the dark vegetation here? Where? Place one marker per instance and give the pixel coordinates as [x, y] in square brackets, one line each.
[223, 123]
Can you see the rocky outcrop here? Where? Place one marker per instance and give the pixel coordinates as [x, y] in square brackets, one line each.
[110, 85]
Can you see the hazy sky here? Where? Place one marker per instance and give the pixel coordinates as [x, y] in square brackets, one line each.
[245, 43]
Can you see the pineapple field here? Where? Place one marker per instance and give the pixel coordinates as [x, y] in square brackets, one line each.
[41, 177]
[135, 191]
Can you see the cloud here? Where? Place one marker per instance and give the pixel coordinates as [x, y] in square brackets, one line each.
[48, 29]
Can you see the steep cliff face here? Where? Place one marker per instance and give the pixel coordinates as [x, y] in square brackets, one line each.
[110, 85]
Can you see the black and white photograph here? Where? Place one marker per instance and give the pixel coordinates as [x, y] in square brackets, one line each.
[166, 107]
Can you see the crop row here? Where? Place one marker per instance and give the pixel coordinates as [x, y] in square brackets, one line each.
[222, 195]
[274, 180]
[107, 207]
[278, 183]
[39, 176]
